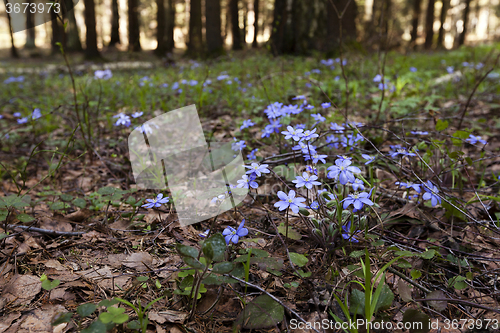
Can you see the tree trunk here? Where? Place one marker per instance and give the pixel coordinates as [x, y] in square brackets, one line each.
[91, 50]
[134, 41]
[57, 33]
[461, 37]
[115, 24]
[235, 25]
[170, 25]
[255, 23]
[442, 19]
[74, 42]
[13, 50]
[280, 17]
[30, 29]
[417, 5]
[195, 42]
[213, 27]
[429, 25]
[161, 36]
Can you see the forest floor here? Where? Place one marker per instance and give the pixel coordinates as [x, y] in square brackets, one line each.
[417, 136]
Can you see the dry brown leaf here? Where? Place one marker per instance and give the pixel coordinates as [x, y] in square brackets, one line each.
[58, 223]
[40, 319]
[140, 261]
[52, 263]
[80, 215]
[7, 320]
[21, 289]
[168, 316]
[404, 291]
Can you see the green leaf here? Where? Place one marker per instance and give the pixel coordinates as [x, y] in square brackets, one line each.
[62, 318]
[49, 285]
[262, 312]
[25, 218]
[357, 302]
[142, 278]
[86, 309]
[441, 125]
[79, 202]
[96, 327]
[187, 251]
[385, 299]
[458, 282]
[415, 316]
[134, 325]
[193, 263]
[57, 205]
[437, 305]
[66, 197]
[115, 315]
[292, 234]
[208, 251]
[107, 190]
[218, 244]
[298, 259]
[223, 267]
[428, 254]
[303, 211]
[15, 201]
[356, 254]
[415, 274]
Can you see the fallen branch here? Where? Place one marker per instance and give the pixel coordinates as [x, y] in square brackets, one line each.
[47, 231]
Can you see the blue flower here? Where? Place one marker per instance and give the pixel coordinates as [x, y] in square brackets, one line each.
[368, 158]
[309, 107]
[309, 134]
[409, 185]
[145, 128]
[156, 202]
[377, 78]
[267, 131]
[343, 171]
[358, 185]
[246, 123]
[475, 139]
[233, 235]
[17, 114]
[22, 120]
[313, 170]
[336, 128]
[300, 126]
[306, 180]
[247, 182]
[419, 133]
[295, 134]
[205, 233]
[123, 119]
[252, 156]
[289, 201]
[431, 194]
[36, 114]
[314, 205]
[137, 114]
[357, 200]
[346, 233]
[274, 110]
[299, 97]
[401, 151]
[315, 157]
[238, 145]
[450, 69]
[103, 75]
[257, 169]
[326, 105]
[413, 69]
[318, 117]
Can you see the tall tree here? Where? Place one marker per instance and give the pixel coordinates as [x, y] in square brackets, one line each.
[134, 35]
[91, 50]
[115, 24]
[442, 19]
[195, 42]
[235, 24]
[30, 29]
[461, 37]
[213, 27]
[429, 25]
[161, 29]
[417, 5]
[13, 50]
[170, 25]
[255, 23]
[280, 16]
[74, 42]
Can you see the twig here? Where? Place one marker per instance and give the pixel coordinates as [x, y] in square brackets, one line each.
[47, 231]
[458, 301]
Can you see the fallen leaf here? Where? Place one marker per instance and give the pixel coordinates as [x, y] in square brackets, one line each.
[140, 261]
[21, 289]
[168, 316]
